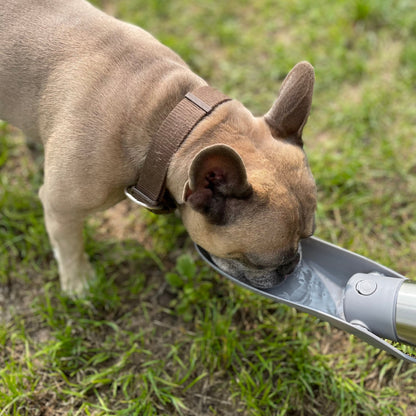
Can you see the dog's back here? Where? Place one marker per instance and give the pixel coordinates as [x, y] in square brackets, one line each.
[28, 43]
[70, 40]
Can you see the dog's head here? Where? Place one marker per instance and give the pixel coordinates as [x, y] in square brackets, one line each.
[250, 197]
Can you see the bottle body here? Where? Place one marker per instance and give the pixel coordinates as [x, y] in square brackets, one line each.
[406, 313]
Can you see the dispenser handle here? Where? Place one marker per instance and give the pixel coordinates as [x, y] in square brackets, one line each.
[384, 305]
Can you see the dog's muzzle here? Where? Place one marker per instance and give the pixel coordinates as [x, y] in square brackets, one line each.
[259, 278]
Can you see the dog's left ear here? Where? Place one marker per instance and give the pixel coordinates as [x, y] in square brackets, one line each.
[289, 113]
[216, 173]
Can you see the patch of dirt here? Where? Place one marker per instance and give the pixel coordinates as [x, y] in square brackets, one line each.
[122, 222]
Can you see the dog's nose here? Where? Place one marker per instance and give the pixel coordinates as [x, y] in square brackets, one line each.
[289, 266]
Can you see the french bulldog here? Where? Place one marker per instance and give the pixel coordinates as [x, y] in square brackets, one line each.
[95, 90]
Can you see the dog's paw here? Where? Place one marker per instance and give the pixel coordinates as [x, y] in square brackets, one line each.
[75, 280]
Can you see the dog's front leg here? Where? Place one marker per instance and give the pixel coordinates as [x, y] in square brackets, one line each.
[65, 233]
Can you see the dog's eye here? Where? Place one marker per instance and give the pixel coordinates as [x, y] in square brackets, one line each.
[246, 261]
[309, 233]
[234, 256]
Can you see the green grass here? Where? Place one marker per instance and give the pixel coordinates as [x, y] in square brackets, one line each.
[161, 334]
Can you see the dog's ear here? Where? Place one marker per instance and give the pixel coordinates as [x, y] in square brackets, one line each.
[216, 174]
[289, 113]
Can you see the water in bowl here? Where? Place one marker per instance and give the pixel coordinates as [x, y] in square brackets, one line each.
[309, 286]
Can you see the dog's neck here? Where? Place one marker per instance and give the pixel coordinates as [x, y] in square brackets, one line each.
[150, 190]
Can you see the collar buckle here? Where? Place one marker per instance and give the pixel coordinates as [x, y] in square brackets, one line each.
[165, 206]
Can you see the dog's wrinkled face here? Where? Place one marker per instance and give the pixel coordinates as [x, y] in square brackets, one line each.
[249, 202]
[262, 246]
[252, 229]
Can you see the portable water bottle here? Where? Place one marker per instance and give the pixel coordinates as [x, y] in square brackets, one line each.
[351, 292]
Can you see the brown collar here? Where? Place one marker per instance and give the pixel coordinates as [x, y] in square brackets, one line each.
[150, 191]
